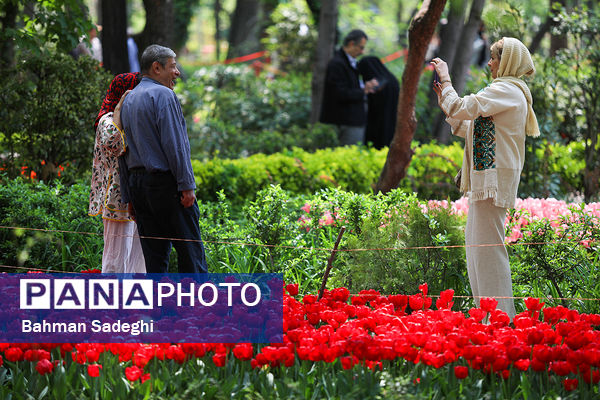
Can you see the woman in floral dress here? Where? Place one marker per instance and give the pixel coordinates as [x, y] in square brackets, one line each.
[122, 250]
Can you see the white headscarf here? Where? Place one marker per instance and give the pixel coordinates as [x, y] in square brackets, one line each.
[514, 63]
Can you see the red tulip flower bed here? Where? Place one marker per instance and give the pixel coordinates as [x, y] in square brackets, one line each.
[372, 328]
[344, 337]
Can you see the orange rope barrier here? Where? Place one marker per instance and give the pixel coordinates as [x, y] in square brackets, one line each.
[358, 294]
[245, 58]
[306, 248]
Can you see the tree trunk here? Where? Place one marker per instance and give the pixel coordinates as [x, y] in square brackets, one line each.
[8, 21]
[323, 53]
[449, 35]
[419, 35]
[114, 36]
[245, 29]
[559, 41]
[159, 19]
[461, 64]
[183, 11]
[401, 33]
[217, 12]
[537, 39]
[464, 49]
[451, 32]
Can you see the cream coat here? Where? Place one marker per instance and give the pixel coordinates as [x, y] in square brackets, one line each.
[495, 173]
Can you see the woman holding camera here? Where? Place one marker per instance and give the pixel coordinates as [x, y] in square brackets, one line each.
[493, 123]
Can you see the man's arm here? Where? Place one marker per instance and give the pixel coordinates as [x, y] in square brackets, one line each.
[337, 77]
[175, 143]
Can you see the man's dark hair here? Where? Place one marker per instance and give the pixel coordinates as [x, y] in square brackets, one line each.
[355, 36]
[153, 53]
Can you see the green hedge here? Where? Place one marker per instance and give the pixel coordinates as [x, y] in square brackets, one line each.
[352, 168]
[556, 172]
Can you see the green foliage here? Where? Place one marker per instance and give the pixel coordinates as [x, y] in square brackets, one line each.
[53, 208]
[232, 113]
[552, 169]
[392, 242]
[281, 236]
[583, 87]
[515, 18]
[49, 105]
[432, 169]
[379, 20]
[40, 23]
[290, 41]
[406, 241]
[567, 265]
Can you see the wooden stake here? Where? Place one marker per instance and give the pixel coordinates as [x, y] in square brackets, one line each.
[330, 262]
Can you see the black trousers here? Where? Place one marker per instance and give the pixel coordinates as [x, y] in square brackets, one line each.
[159, 213]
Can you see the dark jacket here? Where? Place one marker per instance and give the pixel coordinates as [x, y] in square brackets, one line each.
[343, 98]
[383, 104]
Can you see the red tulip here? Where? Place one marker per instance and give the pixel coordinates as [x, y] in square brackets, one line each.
[13, 354]
[523, 364]
[92, 355]
[461, 372]
[561, 368]
[243, 351]
[292, 289]
[445, 300]
[219, 359]
[94, 370]
[535, 337]
[570, 384]
[44, 367]
[416, 301]
[133, 373]
[533, 304]
[488, 304]
[477, 314]
[176, 354]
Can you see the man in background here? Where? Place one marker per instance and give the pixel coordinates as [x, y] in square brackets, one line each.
[345, 93]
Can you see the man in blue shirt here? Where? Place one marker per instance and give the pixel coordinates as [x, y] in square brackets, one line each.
[159, 177]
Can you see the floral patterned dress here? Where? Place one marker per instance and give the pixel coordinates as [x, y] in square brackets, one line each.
[105, 195]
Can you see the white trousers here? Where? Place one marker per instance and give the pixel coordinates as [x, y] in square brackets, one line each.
[488, 267]
[122, 249]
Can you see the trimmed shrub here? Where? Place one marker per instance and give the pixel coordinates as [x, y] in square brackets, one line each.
[357, 168]
[300, 172]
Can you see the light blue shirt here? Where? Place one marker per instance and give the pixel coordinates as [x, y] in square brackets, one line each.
[132, 51]
[156, 132]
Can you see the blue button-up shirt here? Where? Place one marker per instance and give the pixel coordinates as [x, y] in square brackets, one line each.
[156, 133]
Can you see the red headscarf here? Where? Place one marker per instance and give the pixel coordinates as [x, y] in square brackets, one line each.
[119, 85]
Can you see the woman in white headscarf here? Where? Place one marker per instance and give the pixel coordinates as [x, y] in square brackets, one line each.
[493, 123]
